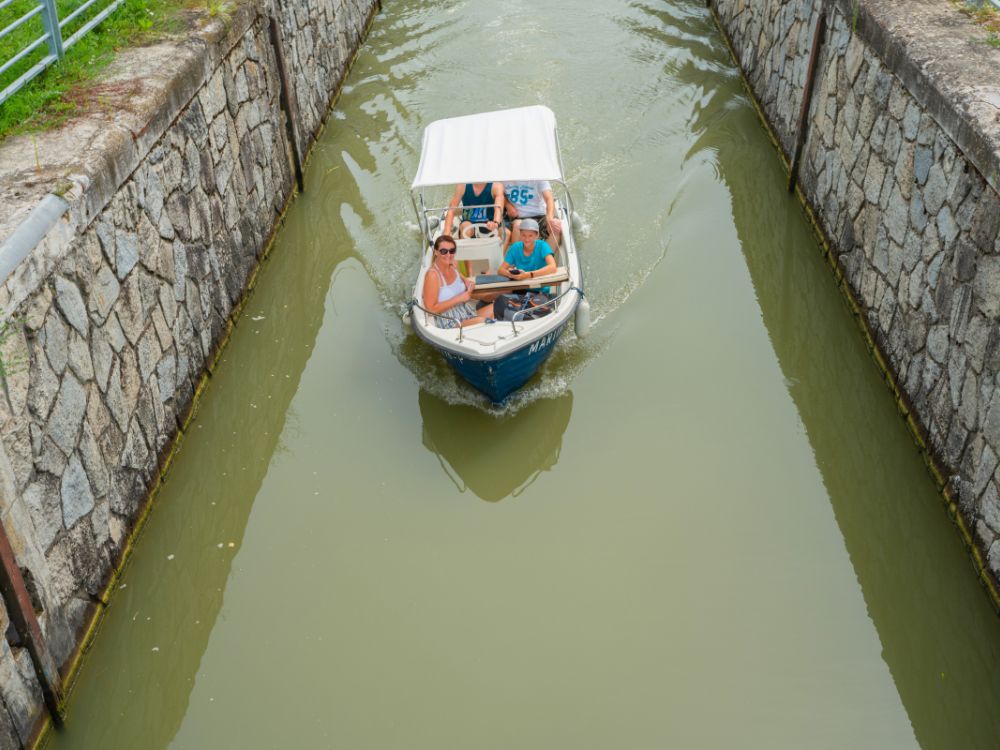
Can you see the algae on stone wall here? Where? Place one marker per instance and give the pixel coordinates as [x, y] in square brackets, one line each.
[913, 224]
[117, 311]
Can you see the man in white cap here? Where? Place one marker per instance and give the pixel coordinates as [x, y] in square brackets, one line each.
[532, 199]
[530, 257]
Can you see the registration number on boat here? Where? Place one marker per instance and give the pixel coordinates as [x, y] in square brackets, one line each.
[544, 341]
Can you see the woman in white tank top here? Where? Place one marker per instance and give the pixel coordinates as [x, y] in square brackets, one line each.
[447, 293]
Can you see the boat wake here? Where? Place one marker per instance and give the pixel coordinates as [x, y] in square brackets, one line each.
[434, 375]
[603, 307]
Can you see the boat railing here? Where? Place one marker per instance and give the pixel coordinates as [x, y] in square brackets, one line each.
[551, 304]
[439, 214]
[442, 211]
[567, 200]
[425, 311]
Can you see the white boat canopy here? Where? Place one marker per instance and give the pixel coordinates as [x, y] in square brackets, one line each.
[510, 144]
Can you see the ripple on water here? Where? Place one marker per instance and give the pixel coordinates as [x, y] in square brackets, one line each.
[571, 356]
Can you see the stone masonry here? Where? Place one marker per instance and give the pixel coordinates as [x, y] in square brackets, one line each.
[900, 168]
[115, 314]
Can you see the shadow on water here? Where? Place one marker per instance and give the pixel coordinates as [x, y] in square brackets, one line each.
[173, 590]
[937, 629]
[509, 452]
[932, 620]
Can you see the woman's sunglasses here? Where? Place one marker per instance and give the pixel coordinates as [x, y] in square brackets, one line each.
[447, 250]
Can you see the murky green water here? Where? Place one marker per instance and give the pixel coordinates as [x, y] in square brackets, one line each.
[706, 527]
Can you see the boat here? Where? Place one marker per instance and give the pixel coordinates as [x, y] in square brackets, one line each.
[505, 145]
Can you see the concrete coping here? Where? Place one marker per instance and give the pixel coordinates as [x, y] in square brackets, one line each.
[88, 159]
[947, 65]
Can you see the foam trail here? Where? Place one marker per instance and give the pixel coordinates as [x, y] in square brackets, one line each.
[436, 377]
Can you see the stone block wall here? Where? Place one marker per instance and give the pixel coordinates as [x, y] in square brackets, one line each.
[900, 169]
[319, 45]
[112, 318]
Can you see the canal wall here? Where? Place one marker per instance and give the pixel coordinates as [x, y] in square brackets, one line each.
[127, 241]
[900, 169]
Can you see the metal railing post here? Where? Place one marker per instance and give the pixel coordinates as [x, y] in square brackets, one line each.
[801, 130]
[51, 20]
[22, 614]
[288, 102]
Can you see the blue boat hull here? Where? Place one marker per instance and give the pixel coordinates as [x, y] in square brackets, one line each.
[498, 378]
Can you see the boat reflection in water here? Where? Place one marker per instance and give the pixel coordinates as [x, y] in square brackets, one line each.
[507, 454]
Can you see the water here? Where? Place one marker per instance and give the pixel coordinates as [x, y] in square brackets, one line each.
[705, 527]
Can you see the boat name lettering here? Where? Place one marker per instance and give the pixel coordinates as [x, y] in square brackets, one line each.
[543, 342]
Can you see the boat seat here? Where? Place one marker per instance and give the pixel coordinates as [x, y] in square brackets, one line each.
[480, 254]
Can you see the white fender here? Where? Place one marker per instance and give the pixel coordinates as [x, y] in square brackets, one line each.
[577, 222]
[582, 320]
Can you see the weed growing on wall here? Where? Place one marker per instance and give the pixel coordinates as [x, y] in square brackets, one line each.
[985, 15]
[13, 359]
[219, 9]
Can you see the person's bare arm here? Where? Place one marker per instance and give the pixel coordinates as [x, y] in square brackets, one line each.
[550, 267]
[550, 211]
[498, 200]
[432, 285]
[456, 199]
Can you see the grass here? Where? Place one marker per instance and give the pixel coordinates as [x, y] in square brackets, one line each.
[14, 362]
[63, 89]
[984, 14]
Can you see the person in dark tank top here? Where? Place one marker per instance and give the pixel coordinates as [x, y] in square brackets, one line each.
[481, 202]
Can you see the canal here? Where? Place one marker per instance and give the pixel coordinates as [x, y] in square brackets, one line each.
[704, 527]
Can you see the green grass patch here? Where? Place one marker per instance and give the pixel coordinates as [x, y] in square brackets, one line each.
[985, 15]
[64, 88]
[15, 360]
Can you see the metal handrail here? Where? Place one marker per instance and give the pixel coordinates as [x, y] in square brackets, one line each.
[23, 19]
[423, 212]
[22, 54]
[513, 320]
[544, 304]
[75, 13]
[93, 22]
[52, 35]
[414, 303]
[444, 209]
